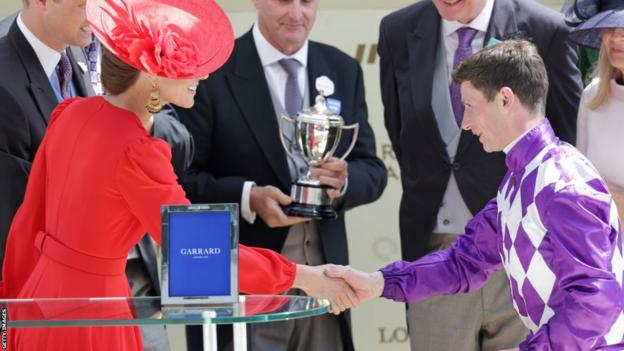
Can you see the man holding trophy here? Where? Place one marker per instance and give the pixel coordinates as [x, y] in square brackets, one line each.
[246, 152]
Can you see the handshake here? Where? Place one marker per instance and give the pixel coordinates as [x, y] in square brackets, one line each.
[343, 286]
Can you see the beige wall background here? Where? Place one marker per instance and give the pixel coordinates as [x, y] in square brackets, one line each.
[352, 26]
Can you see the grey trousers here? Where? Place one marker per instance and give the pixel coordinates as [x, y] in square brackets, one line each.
[154, 336]
[321, 333]
[482, 320]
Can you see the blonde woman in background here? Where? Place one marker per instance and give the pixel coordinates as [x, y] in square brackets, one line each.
[601, 111]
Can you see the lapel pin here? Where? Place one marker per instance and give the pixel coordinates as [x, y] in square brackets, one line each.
[83, 66]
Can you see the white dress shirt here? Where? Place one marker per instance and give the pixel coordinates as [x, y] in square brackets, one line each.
[48, 57]
[276, 78]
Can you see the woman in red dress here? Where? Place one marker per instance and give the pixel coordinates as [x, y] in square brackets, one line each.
[99, 178]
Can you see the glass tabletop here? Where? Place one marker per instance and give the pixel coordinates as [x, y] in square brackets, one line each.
[23, 313]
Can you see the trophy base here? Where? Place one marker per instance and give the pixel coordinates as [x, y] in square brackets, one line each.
[310, 211]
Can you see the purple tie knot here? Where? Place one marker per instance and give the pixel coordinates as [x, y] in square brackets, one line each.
[465, 36]
[291, 66]
[293, 98]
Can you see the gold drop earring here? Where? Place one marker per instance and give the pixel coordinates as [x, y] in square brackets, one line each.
[153, 104]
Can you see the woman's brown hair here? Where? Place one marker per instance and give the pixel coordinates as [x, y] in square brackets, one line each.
[117, 76]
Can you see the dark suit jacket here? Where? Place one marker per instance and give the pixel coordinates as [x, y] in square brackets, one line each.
[167, 127]
[408, 43]
[26, 101]
[236, 138]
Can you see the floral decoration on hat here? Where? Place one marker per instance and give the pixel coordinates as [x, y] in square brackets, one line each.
[168, 38]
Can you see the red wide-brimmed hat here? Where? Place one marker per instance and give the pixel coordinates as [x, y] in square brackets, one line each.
[168, 38]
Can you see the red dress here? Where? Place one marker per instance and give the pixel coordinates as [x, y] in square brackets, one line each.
[96, 186]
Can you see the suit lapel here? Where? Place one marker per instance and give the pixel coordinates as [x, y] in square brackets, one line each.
[422, 49]
[251, 92]
[39, 85]
[503, 22]
[81, 75]
[317, 67]
[502, 25]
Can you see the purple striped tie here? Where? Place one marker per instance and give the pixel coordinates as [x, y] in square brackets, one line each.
[65, 75]
[463, 51]
[93, 54]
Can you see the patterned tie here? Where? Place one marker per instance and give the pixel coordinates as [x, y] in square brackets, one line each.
[65, 75]
[93, 54]
[464, 50]
[293, 99]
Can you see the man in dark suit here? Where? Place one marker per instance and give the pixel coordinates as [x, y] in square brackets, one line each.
[29, 89]
[239, 156]
[27, 97]
[446, 175]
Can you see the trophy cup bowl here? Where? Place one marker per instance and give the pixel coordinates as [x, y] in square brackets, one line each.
[317, 133]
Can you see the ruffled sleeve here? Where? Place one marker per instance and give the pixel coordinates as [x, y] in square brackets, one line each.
[146, 181]
[263, 271]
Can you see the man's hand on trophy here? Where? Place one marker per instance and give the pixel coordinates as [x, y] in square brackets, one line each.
[315, 283]
[365, 285]
[333, 172]
[266, 201]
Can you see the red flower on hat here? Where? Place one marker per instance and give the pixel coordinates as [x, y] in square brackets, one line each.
[152, 44]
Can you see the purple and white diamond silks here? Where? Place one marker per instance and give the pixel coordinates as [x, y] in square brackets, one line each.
[553, 227]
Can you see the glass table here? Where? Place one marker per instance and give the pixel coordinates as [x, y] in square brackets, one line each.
[28, 313]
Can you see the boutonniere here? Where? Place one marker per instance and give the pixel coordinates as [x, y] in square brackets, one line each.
[83, 66]
[511, 36]
[492, 41]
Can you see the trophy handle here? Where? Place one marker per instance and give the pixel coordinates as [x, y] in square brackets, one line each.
[356, 130]
[281, 133]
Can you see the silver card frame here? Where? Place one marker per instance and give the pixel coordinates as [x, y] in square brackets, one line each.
[166, 210]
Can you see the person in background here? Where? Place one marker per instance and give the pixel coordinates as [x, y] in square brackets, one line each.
[446, 175]
[578, 11]
[239, 156]
[40, 60]
[600, 117]
[552, 228]
[99, 178]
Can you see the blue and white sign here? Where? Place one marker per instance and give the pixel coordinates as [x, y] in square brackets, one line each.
[200, 254]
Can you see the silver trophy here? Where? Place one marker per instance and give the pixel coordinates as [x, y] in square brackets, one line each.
[317, 134]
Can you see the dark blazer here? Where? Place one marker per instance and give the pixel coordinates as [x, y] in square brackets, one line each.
[170, 129]
[26, 101]
[236, 138]
[408, 43]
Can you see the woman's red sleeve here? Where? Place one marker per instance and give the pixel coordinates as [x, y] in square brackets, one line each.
[263, 271]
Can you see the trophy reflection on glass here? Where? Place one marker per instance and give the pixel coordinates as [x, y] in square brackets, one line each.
[317, 134]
